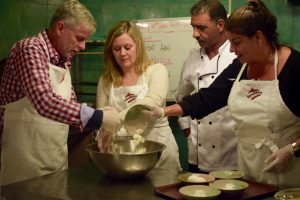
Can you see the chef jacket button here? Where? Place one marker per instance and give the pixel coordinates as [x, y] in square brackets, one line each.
[200, 78]
[210, 123]
[212, 77]
[199, 145]
[199, 121]
[213, 146]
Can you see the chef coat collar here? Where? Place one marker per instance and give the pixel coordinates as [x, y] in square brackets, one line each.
[221, 49]
[213, 69]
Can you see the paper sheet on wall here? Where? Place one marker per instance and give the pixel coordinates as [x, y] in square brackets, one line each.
[169, 41]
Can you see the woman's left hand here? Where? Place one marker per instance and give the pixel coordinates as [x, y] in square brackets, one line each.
[279, 160]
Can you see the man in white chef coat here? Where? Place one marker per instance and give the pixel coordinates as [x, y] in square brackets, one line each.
[211, 141]
[37, 101]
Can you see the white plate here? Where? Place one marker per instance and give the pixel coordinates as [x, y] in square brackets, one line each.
[202, 192]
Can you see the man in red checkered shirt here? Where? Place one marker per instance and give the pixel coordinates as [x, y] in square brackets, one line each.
[37, 99]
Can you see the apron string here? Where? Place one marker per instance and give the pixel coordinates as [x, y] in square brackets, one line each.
[268, 143]
[275, 63]
[275, 67]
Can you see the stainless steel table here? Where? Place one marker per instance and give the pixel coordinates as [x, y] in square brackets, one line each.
[86, 182]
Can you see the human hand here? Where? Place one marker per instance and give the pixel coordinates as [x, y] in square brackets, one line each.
[279, 160]
[187, 132]
[104, 139]
[153, 112]
[111, 121]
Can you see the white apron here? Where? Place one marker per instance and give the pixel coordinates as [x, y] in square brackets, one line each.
[123, 97]
[264, 124]
[33, 145]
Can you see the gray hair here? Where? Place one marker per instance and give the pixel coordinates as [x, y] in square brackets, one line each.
[73, 13]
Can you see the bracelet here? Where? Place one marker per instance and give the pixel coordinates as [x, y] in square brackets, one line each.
[295, 149]
[291, 149]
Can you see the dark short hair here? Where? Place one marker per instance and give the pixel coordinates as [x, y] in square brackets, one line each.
[214, 9]
[254, 17]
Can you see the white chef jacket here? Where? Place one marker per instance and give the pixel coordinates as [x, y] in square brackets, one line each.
[212, 143]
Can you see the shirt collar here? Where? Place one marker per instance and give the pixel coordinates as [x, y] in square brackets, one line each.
[221, 48]
[55, 59]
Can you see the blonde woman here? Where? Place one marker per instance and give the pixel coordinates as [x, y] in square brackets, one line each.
[131, 79]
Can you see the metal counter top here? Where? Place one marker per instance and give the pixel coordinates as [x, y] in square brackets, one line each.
[86, 182]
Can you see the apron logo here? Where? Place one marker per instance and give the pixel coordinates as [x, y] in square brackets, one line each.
[253, 93]
[130, 97]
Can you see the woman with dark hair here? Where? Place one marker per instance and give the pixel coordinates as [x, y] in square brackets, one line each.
[261, 88]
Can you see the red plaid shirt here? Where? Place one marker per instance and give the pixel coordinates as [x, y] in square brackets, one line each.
[26, 73]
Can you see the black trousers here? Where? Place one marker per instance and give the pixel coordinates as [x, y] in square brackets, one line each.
[195, 169]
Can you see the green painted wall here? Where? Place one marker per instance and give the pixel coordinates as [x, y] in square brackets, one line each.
[22, 18]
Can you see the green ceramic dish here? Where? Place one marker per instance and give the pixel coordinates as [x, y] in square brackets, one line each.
[136, 121]
[229, 185]
[201, 192]
[288, 194]
[226, 174]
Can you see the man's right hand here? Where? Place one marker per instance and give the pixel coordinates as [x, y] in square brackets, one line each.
[187, 132]
[104, 140]
[111, 121]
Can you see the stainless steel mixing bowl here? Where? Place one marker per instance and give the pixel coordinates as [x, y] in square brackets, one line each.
[126, 164]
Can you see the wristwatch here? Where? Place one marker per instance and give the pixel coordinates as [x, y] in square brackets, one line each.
[296, 149]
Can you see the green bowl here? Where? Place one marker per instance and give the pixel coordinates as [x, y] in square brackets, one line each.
[136, 121]
[292, 193]
[229, 186]
[226, 174]
[199, 192]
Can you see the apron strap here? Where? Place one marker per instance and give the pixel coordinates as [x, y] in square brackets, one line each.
[269, 143]
[48, 53]
[241, 72]
[275, 67]
[275, 64]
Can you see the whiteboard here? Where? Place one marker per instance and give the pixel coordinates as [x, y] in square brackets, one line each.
[169, 41]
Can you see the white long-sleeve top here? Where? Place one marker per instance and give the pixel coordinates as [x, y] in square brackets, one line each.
[158, 86]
